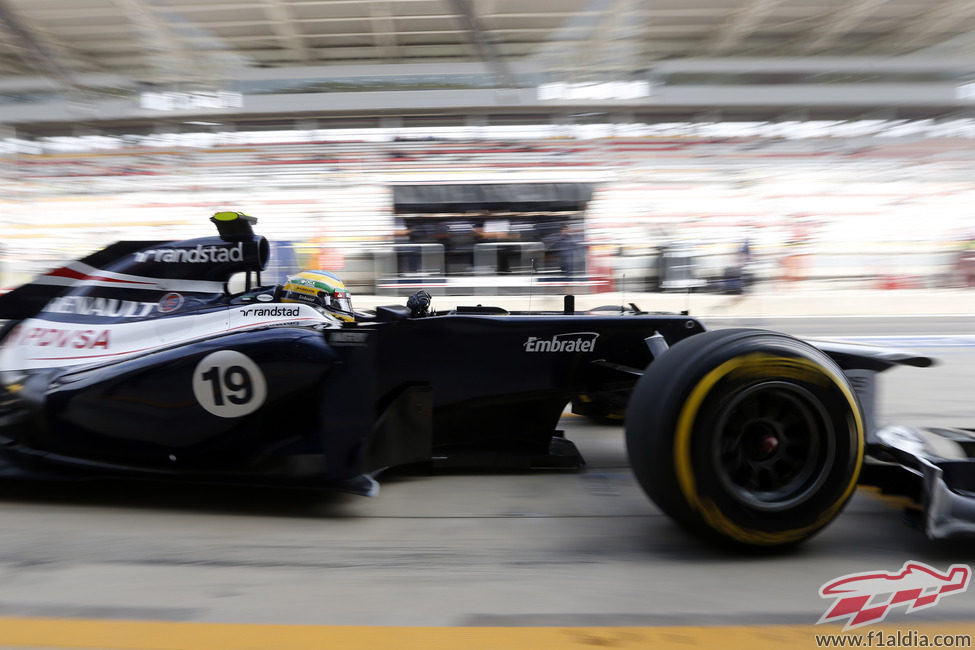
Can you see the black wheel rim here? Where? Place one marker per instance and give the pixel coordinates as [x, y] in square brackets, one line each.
[774, 445]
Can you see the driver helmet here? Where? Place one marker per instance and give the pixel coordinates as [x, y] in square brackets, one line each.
[321, 289]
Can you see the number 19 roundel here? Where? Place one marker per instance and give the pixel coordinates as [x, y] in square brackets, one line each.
[229, 384]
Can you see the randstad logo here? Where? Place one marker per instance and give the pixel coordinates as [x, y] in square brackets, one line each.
[199, 255]
[570, 342]
[269, 312]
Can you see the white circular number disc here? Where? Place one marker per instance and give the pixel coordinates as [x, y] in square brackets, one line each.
[229, 384]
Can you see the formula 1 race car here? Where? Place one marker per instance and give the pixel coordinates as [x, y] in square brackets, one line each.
[138, 361]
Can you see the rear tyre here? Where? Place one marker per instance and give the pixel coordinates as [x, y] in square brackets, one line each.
[749, 438]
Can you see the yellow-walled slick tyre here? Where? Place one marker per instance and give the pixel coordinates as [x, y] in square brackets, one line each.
[747, 437]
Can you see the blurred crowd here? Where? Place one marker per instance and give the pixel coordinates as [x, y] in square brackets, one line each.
[667, 213]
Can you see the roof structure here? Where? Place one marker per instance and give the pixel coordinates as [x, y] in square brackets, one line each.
[131, 62]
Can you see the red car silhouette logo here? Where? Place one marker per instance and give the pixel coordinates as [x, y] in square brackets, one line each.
[865, 598]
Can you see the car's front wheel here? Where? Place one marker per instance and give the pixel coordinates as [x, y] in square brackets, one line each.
[747, 437]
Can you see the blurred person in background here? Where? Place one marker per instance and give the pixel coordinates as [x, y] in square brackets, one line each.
[426, 230]
[797, 251]
[965, 266]
[566, 249]
[738, 276]
[497, 230]
[550, 234]
[407, 254]
[461, 234]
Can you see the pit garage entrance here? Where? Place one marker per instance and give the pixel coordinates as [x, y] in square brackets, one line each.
[491, 238]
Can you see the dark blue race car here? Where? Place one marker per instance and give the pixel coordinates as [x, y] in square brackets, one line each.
[139, 361]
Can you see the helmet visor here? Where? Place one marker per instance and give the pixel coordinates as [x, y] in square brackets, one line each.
[341, 301]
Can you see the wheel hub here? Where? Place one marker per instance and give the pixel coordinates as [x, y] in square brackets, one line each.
[773, 445]
[760, 441]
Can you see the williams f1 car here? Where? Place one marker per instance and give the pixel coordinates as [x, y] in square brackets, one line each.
[138, 361]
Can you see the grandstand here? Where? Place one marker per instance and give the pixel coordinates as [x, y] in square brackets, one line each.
[834, 139]
[866, 216]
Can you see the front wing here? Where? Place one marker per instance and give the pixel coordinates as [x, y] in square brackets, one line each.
[934, 468]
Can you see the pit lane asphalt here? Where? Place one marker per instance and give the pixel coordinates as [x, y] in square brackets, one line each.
[559, 548]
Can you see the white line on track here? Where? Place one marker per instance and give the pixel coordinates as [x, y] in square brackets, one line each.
[837, 316]
[931, 341]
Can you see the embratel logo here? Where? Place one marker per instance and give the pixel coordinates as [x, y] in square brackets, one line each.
[865, 598]
[570, 342]
[199, 255]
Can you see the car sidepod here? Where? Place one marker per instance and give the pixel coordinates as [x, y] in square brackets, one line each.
[247, 403]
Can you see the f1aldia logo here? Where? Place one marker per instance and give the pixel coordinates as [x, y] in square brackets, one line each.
[865, 598]
[569, 342]
[199, 255]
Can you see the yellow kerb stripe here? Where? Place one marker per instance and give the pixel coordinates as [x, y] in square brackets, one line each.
[108, 635]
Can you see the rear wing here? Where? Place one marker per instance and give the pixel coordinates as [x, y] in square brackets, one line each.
[27, 300]
[199, 266]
